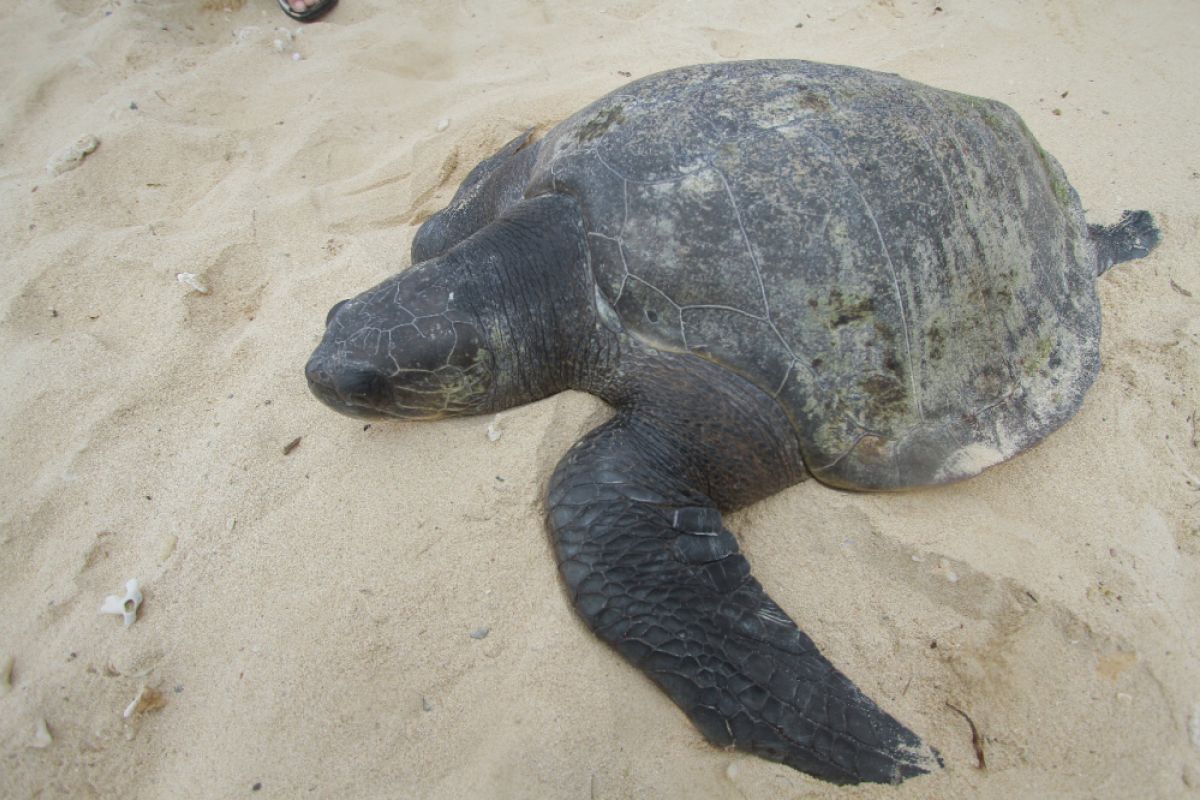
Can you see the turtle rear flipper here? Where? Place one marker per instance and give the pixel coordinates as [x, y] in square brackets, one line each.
[654, 572]
[1134, 236]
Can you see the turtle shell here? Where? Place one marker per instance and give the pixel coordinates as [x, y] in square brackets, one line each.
[903, 268]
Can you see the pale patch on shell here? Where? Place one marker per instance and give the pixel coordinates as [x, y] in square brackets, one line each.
[968, 461]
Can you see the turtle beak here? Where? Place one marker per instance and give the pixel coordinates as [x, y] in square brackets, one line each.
[353, 392]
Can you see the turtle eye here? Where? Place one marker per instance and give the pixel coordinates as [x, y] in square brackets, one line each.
[333, 311]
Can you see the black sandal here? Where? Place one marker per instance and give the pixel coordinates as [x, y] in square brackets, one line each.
[311, 14]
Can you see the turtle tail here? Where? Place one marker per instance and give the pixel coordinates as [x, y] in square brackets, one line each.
[1132, 237]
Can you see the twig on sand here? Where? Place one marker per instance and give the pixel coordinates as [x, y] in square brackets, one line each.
[976, 739]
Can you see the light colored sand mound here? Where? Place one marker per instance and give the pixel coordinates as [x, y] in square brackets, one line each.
[307, 616]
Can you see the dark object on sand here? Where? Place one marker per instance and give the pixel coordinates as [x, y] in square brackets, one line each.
[772, 270]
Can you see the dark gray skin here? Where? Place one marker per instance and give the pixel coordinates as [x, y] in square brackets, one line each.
[770, 270]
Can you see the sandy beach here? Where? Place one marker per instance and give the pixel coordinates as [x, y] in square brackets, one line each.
[317, 591]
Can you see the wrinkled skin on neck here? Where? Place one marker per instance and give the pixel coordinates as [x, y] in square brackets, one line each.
[499, 320]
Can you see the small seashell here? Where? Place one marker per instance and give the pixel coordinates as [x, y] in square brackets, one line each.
[494, 432]
[443, 124]
[127, 606]
[243, 35]
[190, 280]
[480, 633]
[41, 735]
[72, 156]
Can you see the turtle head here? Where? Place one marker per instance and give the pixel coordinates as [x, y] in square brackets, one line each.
[503, 318]
[405, 348]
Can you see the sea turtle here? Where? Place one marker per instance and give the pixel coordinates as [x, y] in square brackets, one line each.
[771, 270]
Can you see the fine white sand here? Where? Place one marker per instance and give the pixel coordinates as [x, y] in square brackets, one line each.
[307, 615]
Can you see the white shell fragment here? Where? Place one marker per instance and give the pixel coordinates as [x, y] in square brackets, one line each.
[72, 156]
[247, 33]
[147, 699]
[190, 280]
[443, 124]
[41, 735]
[494, 432]
[283, 40]
[127, 606]
[944, 569]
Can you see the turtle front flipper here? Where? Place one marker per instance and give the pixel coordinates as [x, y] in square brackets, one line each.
[653, 571]
[495, 185]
